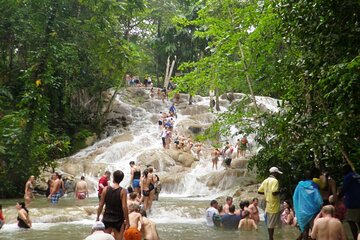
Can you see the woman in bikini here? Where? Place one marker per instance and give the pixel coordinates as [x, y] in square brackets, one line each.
[146, 181]
[29, 188]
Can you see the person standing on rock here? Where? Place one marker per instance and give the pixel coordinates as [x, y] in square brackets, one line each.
[116, 211]
[163, 137]
[135, 174]
[228, 150]
[215, 153]
[152, 184]
[81, 189]
[146, 182]
[103, 182]
[243, 146]
[270, 188]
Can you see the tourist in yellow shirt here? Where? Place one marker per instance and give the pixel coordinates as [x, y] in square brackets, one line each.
[270, 188]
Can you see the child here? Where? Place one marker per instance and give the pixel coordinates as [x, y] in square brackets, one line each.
[133, 232]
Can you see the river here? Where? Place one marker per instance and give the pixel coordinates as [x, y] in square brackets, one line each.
[187, 190]
[176, 219]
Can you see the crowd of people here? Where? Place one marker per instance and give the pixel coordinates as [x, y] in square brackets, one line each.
[125, 214]
[319, 207]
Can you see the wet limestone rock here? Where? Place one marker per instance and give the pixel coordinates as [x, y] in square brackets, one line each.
[239, 163]
[156, 158]
[186, 159]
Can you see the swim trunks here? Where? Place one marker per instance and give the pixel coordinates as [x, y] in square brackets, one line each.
[81, 195]
[55, 198]
[116, 225]
[136, 183]
[132, 233]
[228, 161]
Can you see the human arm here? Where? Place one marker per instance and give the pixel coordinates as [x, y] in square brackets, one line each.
[123, 198]
[254, 224]
[314, 230]
[261, 189]
[141, 220]
[342, 232]
[25, 217]
[27, 187]
[240, 224]
[333, 189]
[131, 176]
[101, 183]
[101, 203]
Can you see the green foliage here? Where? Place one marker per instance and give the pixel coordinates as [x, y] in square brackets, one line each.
[305, 53]
[56, 59]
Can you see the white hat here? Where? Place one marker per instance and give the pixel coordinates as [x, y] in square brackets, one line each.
[275, 170]
[98, 226]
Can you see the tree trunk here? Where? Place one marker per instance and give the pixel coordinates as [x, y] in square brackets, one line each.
[217, 102]
[190, 99]
[246, 70]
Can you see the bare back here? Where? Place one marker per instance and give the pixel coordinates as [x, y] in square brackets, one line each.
[81, 186]
[247, 224]
[328, 229]
[149, 230]
[134, 219]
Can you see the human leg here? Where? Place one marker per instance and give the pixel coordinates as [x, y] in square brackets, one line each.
[271, 233]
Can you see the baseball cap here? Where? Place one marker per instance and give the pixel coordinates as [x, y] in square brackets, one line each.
[275, 170]
[98, 226]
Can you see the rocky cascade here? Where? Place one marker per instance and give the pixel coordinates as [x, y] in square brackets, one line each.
[131, 132]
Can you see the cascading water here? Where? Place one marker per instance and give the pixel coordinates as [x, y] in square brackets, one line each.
[186, 189]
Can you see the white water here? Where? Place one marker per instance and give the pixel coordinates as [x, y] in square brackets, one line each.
[185, 201]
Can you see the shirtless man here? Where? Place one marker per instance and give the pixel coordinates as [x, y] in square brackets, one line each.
[55, 189]
[326, 227]
[215, 157]
[81, 190]
[254, 211]
[133, 232]
[29, 187]
[149, 230]
[229, 202]
[246, 223]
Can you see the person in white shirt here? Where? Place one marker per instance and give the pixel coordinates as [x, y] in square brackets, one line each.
[213, 209]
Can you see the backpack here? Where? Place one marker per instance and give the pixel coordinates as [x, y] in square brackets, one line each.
[217, 220]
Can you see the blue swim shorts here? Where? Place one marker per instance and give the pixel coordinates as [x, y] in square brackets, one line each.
[136, 183]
